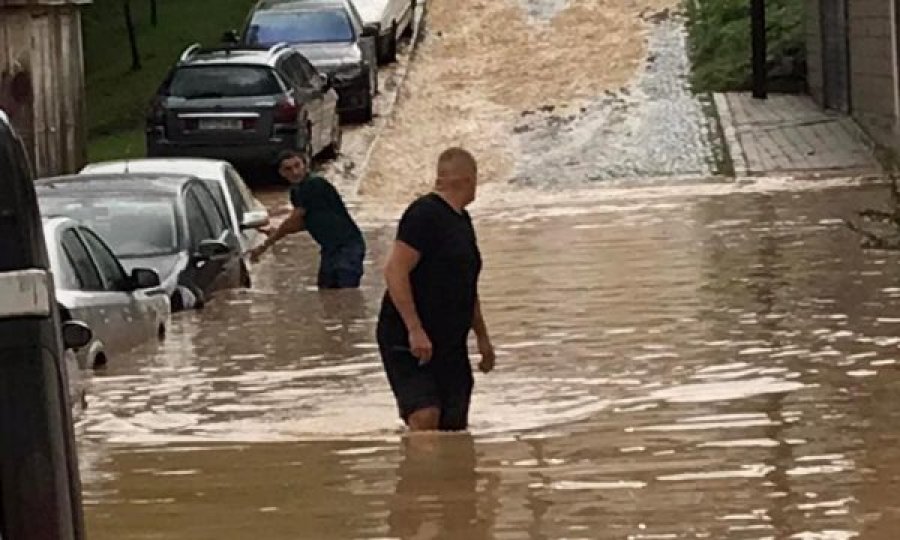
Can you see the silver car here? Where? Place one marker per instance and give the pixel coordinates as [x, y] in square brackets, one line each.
[245, 212]
[123, 311]
[392, 18]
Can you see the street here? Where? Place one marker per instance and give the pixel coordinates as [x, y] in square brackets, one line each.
[677, 357]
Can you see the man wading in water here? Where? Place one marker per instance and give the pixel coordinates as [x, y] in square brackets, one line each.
[319, 209]
[432, 304]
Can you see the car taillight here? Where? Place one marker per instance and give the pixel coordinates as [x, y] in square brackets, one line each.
[157, 114]
[191, 124]
[248, 123]
[286, 112]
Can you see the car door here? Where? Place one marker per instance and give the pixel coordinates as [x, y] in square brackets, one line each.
[331, 120]
[138, 318]
[201, 273]
[222, 270]
[311, 95]
[368, 45]
[103, 310]
[243, 202]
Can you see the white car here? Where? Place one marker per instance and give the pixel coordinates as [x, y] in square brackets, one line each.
[393, 18]
[123, 311]
[245, 212]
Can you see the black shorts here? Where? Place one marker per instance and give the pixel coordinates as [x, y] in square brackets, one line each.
[446, 383]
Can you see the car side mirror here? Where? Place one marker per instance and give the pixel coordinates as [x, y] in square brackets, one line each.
[371, 30]
[144, 278]
[76, 335]
[255, 219]
[210, 249]
[231, 37]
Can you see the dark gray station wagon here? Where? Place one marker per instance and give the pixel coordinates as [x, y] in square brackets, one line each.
[243, 105]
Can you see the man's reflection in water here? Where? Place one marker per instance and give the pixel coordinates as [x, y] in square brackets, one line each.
[344, 314]
[437, 491]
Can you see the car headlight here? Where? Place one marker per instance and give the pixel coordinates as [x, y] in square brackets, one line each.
[347, 73]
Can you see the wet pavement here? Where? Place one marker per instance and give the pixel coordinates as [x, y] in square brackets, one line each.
[672, 365]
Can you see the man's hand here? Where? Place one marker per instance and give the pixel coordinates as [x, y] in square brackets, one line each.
[488, 356]
[420, 344]
[257, 252]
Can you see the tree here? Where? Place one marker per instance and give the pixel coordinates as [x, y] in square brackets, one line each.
[132, 36]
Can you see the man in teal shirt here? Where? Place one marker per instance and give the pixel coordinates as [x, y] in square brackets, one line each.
[319, 209]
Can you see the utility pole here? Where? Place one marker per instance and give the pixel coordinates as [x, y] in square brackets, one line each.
[758, 33]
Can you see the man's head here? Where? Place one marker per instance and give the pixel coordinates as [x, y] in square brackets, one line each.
[457, 174]
[292, 166]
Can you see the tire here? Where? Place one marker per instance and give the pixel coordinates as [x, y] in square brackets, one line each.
[366, 113]
[334, 149]
[245, 281]
[388, 53]
[307, 149]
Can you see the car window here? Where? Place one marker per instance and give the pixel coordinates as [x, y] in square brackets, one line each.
[197, 225]
[240, 196]
[310, 72]
[295, 69]
[302, 26]
[213, 210]
[198, 82]
[85, 271]
[67, 278]
[144, 227]
[110, 270]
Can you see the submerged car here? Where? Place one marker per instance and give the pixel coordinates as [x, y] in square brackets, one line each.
[245, 213]
[244, 105]
[171, 224]
[123, 310]
[331, 35]
[392, 18]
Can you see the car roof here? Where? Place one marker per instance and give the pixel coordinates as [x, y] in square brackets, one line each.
[149, 184]
[242, 54]
[210, 169]
[297, 5]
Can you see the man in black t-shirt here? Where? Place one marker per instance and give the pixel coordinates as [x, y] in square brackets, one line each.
[432, 304]
[319, 209]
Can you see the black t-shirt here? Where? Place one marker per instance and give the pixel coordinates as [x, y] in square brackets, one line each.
[445, 282]
[327, 219]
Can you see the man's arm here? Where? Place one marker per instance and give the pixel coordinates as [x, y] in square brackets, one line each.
[294, 223]
[402, 260]
[485, 347]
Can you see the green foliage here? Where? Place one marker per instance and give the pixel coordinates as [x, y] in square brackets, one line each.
[117, 97]
[719, 33]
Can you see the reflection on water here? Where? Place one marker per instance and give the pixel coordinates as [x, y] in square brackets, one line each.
[670, 367]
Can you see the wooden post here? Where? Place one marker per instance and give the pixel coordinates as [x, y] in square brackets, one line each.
[132, 36]
[758, 35]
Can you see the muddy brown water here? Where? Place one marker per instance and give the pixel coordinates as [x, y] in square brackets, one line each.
[714, 364]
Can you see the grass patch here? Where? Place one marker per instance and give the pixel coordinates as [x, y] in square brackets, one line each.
[117, 97]
[720, 52]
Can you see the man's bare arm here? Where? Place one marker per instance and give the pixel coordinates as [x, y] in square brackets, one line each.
[402, 260]
[478, 323]
[294, 223]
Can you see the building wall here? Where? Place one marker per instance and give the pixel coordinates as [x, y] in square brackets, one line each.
[42, 80]
[872, 66]
[872, 80]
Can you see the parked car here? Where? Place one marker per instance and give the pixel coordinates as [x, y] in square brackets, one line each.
[245, 213]
[392, 18]
[169, 223]
[123, 310]
[243, 105]
[331, 34]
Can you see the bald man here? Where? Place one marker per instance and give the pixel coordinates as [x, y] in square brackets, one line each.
[432, 305]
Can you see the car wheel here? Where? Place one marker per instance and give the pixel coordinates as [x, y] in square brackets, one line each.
[387, 50]
[246, 282]
[337, 136]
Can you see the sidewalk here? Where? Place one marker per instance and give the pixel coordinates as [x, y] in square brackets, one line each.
[791, 135]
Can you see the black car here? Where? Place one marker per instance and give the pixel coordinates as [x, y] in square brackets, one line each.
[331, 34]
[171, 224]
[244, 105]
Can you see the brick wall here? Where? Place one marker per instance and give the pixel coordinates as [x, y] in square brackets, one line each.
[872, 68]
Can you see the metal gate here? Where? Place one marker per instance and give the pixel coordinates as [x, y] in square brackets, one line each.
[835, 55]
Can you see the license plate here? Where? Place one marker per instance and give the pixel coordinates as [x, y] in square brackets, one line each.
[221, 124]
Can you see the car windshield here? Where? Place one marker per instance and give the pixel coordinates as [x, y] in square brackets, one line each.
[132, 228]
[197, 82]
[325, 26]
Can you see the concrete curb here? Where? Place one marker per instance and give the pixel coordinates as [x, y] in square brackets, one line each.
[416, 39]
[732, 144]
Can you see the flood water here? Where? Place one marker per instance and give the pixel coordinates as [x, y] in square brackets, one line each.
[714, 364]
